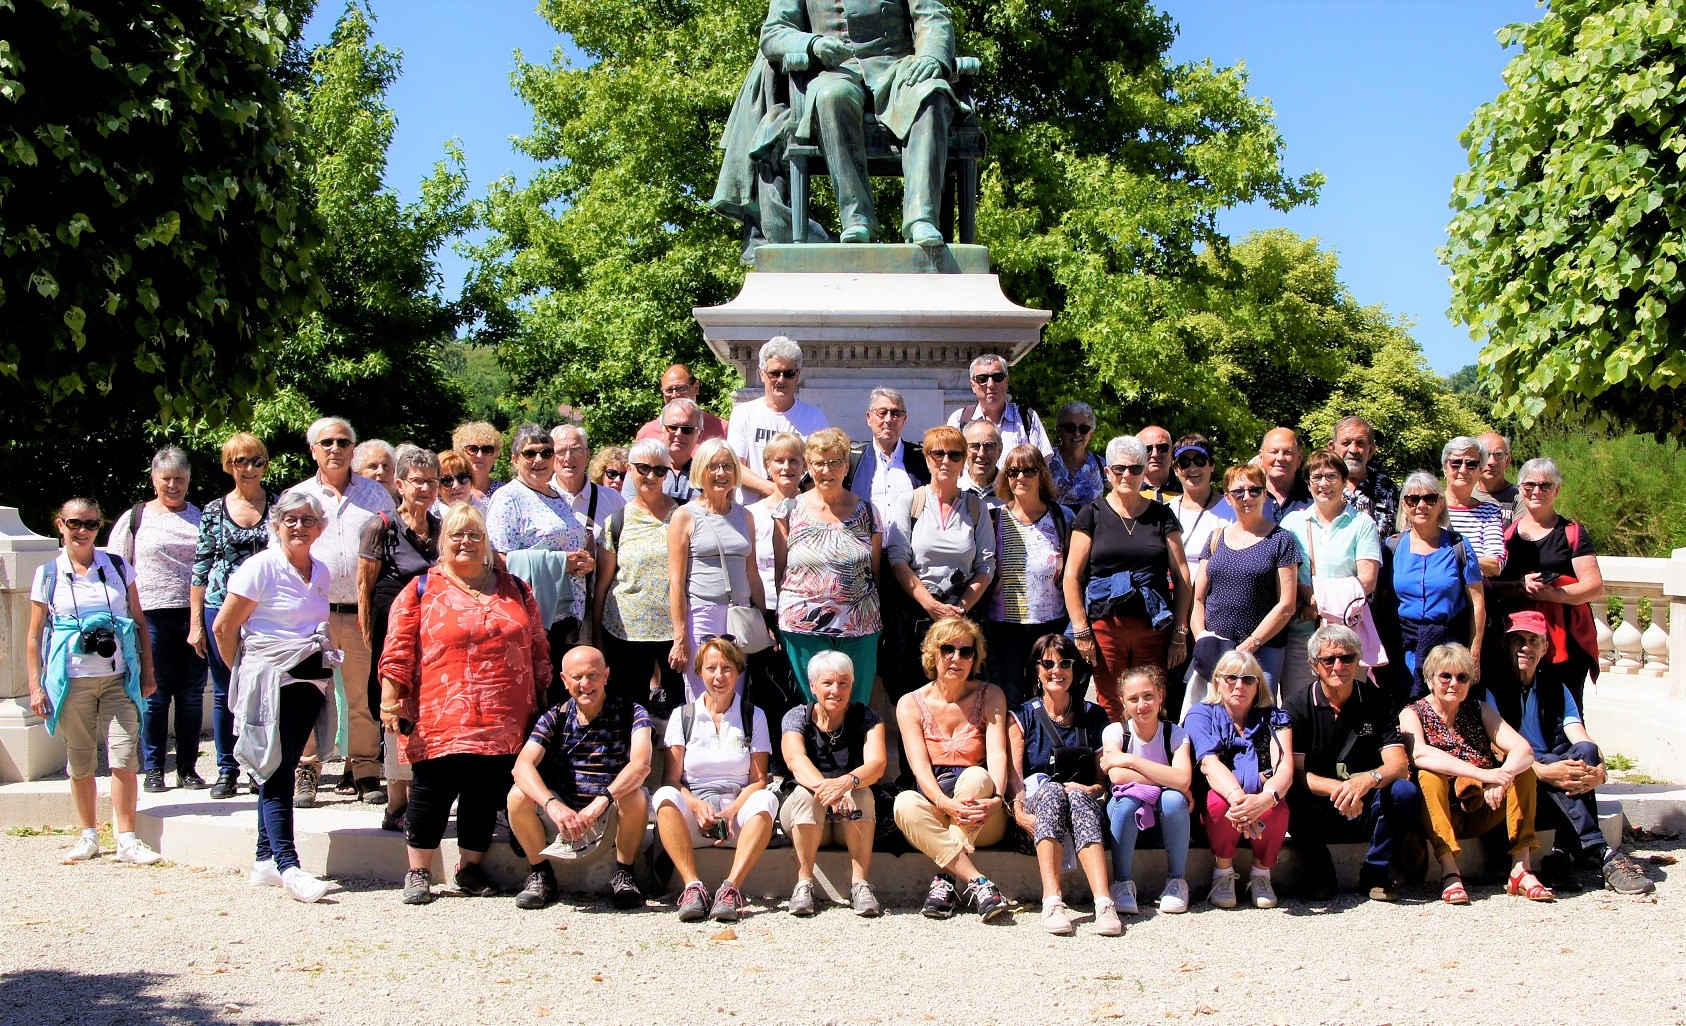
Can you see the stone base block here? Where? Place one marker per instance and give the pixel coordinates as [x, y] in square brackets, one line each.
[27, 751]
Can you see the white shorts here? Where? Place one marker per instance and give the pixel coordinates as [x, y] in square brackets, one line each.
[762, 801]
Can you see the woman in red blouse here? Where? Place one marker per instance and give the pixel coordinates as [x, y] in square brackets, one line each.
[463, 675]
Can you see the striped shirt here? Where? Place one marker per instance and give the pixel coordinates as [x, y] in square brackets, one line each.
[1484, 525]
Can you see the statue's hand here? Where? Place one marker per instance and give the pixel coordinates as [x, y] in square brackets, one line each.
[831, 52]
[923, 69]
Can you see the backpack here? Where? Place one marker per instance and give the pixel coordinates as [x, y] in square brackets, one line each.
[746, 714]
[52, 577]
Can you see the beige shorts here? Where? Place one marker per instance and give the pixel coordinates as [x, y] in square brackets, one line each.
[95, 708]
[800, 807]
[396, 769]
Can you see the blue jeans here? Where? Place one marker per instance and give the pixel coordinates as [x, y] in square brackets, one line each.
[1174, 825]
[301, 703]
[1573, 816]
[222, 721]
[1389, 814]
[180, 673]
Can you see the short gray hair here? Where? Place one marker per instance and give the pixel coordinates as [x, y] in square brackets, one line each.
[1077, 409]
[1337, 634]
[887, 393]
[1542, 465]
[1463, 443]
[314, 432]
[366, 451]
[986, 423]
[292, 502]
[830, 661]
[411, 457]
[1418, 482]
[780, 347]
[984, 361]
[528, 433]
[559, 430]
[1346, 422]
[1125, 449]
[648, 450]
[692, 412]
[171, 460]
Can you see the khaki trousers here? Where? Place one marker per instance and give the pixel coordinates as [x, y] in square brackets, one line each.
[1446, 821]
[941, 838]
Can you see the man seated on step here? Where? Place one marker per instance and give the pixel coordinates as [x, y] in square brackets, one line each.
[583, 758]
[1567, 763]
[1352, 781]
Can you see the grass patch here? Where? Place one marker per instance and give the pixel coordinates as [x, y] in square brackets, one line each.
[1619, 762]
[42, 831]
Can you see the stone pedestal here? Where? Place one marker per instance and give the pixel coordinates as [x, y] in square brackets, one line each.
[871, 315]
[27, 751]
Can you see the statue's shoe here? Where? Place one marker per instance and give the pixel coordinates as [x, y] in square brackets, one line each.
[924, 233]
[856, 233]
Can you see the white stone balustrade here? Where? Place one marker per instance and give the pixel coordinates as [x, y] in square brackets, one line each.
[27, 751]
[1657, 651]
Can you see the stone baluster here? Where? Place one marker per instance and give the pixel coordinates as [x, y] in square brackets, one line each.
[1606, 646]
[1626, 638]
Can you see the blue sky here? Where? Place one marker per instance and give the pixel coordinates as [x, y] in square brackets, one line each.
[1372, 93]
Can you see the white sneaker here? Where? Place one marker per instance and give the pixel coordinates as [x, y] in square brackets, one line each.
[1056, 918]
[1264, 895]
[85, 848]
[1175, 898]
[265, 874]
[303, 886]
[1223, 888]
[1124, 897]
[1107, 923]
[137, 852]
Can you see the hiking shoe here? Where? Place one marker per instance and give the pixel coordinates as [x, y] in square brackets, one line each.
[137, 852]
[86, 847]
[1174, 900]
[1262, 890]
[418, 887]
[941, 899]
[802, 899]
[986, 898]
[304, 788]
[1557, 871]
[265, 874]
[1124, 897]
[191, 781]
[1107, 923]
[728, 903]
[693, 902]
[1056, 918]
[1623, 875]
[1223, 888]
[302, 886]
[370, 791]
[471, 879]
[154, 782]
[863, 901]
[540, 889]
[623, 891]
[227, 785]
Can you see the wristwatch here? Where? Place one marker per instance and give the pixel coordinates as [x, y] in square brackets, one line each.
[854, 778]
[1376, 775]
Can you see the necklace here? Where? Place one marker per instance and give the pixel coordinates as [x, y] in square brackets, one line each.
[1129, 522]
[476, 590]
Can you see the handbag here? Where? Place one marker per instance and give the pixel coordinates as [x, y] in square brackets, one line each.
[1068, 764]
[746, 624]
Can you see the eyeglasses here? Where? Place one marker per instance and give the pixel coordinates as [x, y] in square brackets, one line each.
[1463, 464]
[1077, 429]
[888, 414]
[1447, 678]
[610, 474]
[982, 446]
[573, 450]
[726, 466]
[292, 521]
[1158, 447]
[80, 525]
[1127, 469]
[538, 455]
[1049, 664]
[1246, 491]
[466, 536]
[333, 443]
[1340, 659]
[995, 376]
[1536, 486]
[677, 390]
[782, 375]
[1022, 472]
[422, 482]
[255, 462]
[1192, 460]
[1244, 679]
[480, 450]
[963, 651]
[455, 480]
[680, 429]
[1428, 498]
[945, 454]
[1326, 477]
[826, 464]
[649, 469]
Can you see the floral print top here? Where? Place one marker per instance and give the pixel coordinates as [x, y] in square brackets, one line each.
[828, 583]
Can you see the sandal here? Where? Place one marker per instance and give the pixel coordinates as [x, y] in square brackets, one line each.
[1535, 891]
[1453, 893]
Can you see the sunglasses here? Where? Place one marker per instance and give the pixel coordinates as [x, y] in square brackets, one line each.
[680, 429]
[1247, 679]
[1049, 664]
[1158, 447]
[1077, 429]
[649, 469]
[1447, 678]
[614, 475]
[1331, 661]
[480, 450]
[1430, 498]
[677, 390]
[982, 446]
[782, 375]
[1195, 460]
[538, 454]
[292, 521]
[963, 651]
[1246, 491]
[1022, 472]
[80, 525]
[1127, 469]
[255, 462]
[706, 638]
[1463, 464]
[889, 414]
[1536, 486]
[995, 376]
[455, 480]
[333, 443]
[945, 454]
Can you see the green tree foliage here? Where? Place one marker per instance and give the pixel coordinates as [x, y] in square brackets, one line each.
[151, 244]
[1566, 246]
[1107, 168]
[1624, 487]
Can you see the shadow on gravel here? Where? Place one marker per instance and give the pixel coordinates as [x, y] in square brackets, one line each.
[119, 999]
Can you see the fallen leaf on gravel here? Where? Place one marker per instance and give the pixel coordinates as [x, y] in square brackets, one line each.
[309, 967]
[1453, 964]
[1661, 860]
[1565, 951]
[504, 980]
[1191, 967]
[1204, 1009]
[543, 1011]
[597, 977]
[725, 935]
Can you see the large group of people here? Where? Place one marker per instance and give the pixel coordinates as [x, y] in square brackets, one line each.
[1080, 649]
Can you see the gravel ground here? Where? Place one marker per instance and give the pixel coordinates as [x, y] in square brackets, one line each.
[108, 943]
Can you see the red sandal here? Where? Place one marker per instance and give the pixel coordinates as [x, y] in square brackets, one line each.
[1535, 891]
[1453, 893]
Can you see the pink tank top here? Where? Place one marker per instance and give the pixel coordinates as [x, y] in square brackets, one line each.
[965, 746]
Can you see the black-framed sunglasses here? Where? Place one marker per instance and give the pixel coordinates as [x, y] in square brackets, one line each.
[1248, 679]
[455, 480]
[1246, 491]
[649, 469]
[963, 651]
[480, 450]
[78, 524]
[680, 429]
[538, 454]
[706, 638]
[1127, 469]
[1463, 464]
[1157, 447]
[254, 462]
[1430, 498]
[995, 376]
[1339, 659]
[1022, 472]
[1063, 664]
[1077, 429]
[610, 473]
[782, 375]
[1196, 459]
[945, 454]
[334, 443]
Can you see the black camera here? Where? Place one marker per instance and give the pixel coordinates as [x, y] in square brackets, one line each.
[100, 641]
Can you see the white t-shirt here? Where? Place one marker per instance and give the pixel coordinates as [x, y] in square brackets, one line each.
[754, 423]
[287, 603]
[77, 595]
[1151, 749]
[722, 756]
[1198, 525]
[161, 553]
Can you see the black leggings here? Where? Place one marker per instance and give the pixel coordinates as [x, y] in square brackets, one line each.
[479, 784]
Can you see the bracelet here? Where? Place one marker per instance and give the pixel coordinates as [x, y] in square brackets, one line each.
[394, 707]
[1086, 634]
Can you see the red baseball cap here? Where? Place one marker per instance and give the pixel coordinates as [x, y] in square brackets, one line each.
[1527, 622]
